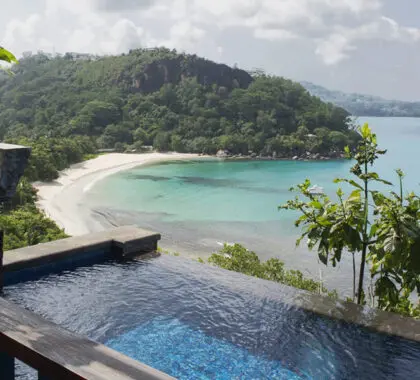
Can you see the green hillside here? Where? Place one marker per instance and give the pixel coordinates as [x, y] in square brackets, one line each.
[169, 100]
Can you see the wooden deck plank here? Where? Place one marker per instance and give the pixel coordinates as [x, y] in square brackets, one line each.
[59, 354]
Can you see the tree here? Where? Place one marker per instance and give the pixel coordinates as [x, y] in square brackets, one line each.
[338, 139]
[385, 231]
[177, 145]
[162, 141]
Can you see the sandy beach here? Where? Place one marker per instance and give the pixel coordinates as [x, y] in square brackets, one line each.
[61, 199]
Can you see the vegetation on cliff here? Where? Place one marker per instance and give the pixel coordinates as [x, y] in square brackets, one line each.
[239, 259]
[169, 100]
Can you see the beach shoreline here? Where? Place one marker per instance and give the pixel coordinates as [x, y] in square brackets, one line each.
[61, 199]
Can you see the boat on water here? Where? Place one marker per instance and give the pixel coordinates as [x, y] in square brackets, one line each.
[316, 190]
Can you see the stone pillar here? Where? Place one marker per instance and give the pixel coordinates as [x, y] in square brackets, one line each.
[13, 161]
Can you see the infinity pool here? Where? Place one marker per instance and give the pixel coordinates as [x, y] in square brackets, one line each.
[193, 321]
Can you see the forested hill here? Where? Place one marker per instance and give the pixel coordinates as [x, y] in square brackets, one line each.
[169, 100]
[365, 105]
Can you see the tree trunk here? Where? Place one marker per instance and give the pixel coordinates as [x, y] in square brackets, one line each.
[365, 237]
[354, 277]
[361, 274]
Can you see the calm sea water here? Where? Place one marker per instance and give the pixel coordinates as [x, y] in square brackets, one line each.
[199, 205]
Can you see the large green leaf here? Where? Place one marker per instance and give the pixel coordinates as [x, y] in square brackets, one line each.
[7, 56]
[354, 196]
[349, 181]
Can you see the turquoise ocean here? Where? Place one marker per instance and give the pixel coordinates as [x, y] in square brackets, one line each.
[199, 205]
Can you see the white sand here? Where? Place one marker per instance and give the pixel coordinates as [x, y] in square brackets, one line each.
[61, 199]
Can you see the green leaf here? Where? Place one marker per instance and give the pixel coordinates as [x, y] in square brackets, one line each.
[7, 56]
[349, 181]
[373, 230]
[365, 131]
[317, 205]
[383, 181]
[378, 198]
[354, 196]
[323, 256]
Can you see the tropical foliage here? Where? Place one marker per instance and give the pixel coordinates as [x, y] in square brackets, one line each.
[169, 100]
[26, 225]
[383, 229]
[22, 222]
[239, 259]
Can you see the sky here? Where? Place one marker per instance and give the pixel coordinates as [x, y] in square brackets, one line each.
[365, 46]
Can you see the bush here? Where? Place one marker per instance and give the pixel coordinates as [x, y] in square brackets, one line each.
[239, 259]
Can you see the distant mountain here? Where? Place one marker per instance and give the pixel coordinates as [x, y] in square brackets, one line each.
[365, 105]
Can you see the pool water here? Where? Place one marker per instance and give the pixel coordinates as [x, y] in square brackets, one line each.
[188, 353]
[194, 321]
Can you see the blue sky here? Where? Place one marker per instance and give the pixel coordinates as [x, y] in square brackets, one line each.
[368, 46]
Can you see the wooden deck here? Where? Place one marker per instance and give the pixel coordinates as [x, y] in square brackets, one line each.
[51, 350]
[59, 354]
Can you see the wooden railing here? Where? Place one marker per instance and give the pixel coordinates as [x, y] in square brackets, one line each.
[59, 354]
[52, 351]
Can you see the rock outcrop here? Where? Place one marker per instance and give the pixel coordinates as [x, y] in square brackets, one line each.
[13, 161]
[174, 70]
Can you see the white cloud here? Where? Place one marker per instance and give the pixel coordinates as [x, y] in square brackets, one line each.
[119, 5]
[80, 40]
[274, 34]
[184, 35]
[337, 46]
[123, 35]
[335, 26]
[333, 31]
[334, 49]
[17, 30]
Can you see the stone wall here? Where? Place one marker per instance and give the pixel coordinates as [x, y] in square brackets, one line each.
[13, 161]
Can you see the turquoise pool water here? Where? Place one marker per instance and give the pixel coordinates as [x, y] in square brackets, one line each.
[194, 321]
[204, 356]
[199, 205]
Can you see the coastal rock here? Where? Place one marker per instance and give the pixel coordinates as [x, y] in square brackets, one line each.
[156, 74]
[13, 161]
[222, 154]
[295, 158]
